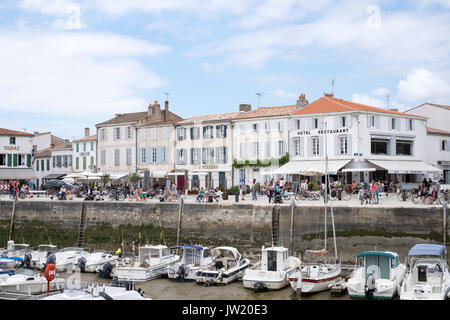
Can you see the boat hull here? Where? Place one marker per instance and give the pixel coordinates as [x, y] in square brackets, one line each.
[221, 277]
[33, 286]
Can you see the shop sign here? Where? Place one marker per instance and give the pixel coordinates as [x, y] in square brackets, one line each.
[11, 148]
[320, 131]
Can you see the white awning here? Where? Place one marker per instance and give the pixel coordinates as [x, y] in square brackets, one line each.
[19, 173]
[405, 166]
[358, 166]
[118, 175]
[311, 167]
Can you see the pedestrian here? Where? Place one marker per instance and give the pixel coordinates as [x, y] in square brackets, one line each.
[378, 192]
[373, 191]
[253, 188]
[361, 195]
[242, 187]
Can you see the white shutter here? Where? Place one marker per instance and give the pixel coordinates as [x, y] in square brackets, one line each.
[302, 146]
[349, 121]
[377, 120]
[349, 144]
[398, 124]
[321, 120]
[368, 121]
[335, 122]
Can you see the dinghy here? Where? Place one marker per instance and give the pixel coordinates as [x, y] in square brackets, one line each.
[377, 275]
[428, 276]
[193, 258]
[274, 270]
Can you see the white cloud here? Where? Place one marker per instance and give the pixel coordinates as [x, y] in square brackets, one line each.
[75, 73]
[381, 92]
[68, 12]
[368, 100]
[284, 94]
[423, 85]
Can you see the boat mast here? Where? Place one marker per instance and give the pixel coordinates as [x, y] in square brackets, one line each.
[327, 176]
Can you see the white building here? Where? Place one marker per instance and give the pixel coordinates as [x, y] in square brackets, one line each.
[118, 138]
[16, 155]
[85, 152]
[363, 142]
[203, 151]
[260, 141]
[438, 136]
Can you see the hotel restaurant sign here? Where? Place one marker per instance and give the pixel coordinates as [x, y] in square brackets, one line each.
[320, 131]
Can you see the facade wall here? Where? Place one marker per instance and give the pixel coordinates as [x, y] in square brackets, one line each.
[438, 118]
[111, 160]
[15, 155]
[86, 155]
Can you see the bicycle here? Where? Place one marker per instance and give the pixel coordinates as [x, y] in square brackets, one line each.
[444, 196]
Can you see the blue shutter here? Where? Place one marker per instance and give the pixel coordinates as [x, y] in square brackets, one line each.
[225, 156]
[217, 154]
[158, 155]
[147, 155]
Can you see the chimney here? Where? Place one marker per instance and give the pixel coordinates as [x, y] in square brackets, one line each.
[86, 132]
[52, 146]
[150, 110]
[302, 102]
[396, 110]
[245, 107]
[166, 111]
[328, 95]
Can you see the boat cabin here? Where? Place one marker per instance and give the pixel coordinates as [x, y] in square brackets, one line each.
[225, 257]
[273, 258]
[427, 262]
[194, 255]
[49, 248]
[378, 263]
[151, 255]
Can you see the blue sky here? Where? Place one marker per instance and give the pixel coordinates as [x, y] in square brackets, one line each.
[69, 64]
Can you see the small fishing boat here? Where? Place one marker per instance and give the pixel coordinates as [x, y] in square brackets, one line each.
[8, 266]
[41, 252]
[153, 262]
[377, 275]
[17, 249]
[274, 270]
[428, 276]
[26, 282]
[67, 258]
[227, 266]
[193, 258]
[98, 291]
[94, 261]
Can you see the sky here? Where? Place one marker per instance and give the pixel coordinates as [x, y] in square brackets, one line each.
[70, 64]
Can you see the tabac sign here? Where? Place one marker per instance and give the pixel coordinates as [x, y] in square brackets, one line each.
[11, 148]
[320, 131]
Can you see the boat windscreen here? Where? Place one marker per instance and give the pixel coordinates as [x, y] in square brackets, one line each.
[378, 266]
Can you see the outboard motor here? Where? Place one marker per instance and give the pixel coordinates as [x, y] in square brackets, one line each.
[26, 261]
[181, 272]
[128, 285]
[259, 287]
[81, 263]
[51, 259]
[106, 271]
[370, 286]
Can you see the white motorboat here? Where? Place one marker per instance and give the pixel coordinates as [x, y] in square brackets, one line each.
[193, 258]
[274, 270]
[17, 249]
[228, 265]
[317, 277]
[428, 276]
[377, 275]
[67, 258]
[26, 282]
[94, 261]
[41, 253]
[97, 291]
[8, 266]
[153, 262]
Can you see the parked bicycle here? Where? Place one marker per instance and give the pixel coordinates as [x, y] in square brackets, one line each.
[404, 195]
[115, 194]
[303, 195]
[444, 195]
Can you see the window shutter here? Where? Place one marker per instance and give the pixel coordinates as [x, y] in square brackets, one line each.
[217, 154]
[377, 122]
[368, 121]
[412, 124]
[212, 155]
[147, 155]
[398, 124]
[14, 160]
[337, 145]
[349, 144]
[309, 123]
[302, 146]
[407, 125]
[204, 155]
[225, 131]
[321, 148]
[335, 122]
[349, 121]
[166, 155]
[225, 154]
[158, 155]
[309, 146]
[29, 160]
[390, 123]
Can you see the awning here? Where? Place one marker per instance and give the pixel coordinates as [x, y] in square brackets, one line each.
[425, 249]
[358, 166]
[311, 167]
[54, 176]
[155, 173]
[198, 173]
[405, 166]
[20, 174]
[118, 175]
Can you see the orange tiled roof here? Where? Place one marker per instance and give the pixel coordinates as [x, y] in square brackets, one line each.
[89, 138]
[211, 117]
[330, 104]
[8, 132]
[45, 153]
[267, 112]
[437, 131]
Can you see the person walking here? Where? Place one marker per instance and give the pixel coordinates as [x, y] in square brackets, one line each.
[253, 188]
[373, 191]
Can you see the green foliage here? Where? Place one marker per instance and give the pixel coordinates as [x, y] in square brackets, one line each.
[135, 178]
[261, 163]
[105, 178]
[312, 186]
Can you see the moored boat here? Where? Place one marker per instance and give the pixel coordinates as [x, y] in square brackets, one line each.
[428, 276]
[26, 282]
[377, 275]
[273, 271]
[94, 261]
[193, 258]
[153, 262]
[228, 265]
[41, 253]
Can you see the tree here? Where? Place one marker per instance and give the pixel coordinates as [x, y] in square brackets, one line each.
[105, 178]
[135, 178]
